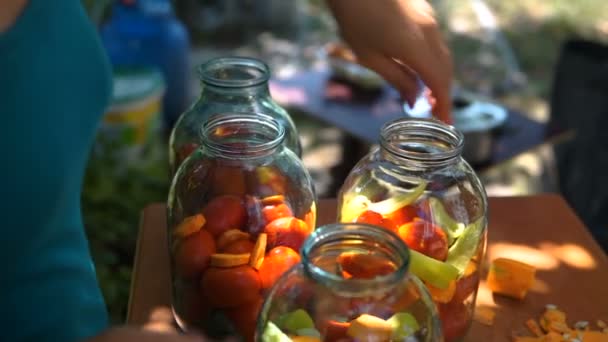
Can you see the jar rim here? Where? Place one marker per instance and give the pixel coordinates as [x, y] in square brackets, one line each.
[336, 232]
[265, 128]
[421, 140]
[251, 72]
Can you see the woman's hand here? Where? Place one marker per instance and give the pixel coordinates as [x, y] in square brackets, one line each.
[400, 40]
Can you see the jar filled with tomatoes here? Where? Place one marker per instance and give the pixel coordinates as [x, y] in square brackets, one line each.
[352, 284]
[417, 185]
[239, 210]
[228, 85]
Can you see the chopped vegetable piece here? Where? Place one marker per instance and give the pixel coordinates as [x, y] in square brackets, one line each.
[364, 266]
[510, 277]
[467, 245]
[304, 338]
[312, 332]
[441, 217]
[551, 315]
[190, 225]
[426, 238]
[431, 271]
[296, 320]
[335, 331]
[272, 333]
[442, 295]
[370, 328]
[484, 315]
[533, 327]
[230, 236]
[353, 207]
[404, 324]
[229, 260]
[257, 255]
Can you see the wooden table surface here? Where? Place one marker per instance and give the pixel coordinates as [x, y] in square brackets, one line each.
[540, 230]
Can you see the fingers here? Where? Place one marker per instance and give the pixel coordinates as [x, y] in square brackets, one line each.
[400, 76]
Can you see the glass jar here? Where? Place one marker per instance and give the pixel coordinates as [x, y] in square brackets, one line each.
[239, 209]
[416, 184]
[351, 285]
[229, 85]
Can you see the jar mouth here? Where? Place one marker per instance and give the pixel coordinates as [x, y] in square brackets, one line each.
[234, 72]
[242, 135]
[422, 140]
[321, 250]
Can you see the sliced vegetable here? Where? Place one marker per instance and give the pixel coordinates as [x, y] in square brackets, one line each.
[304, 338]
[404, 324]
[190, 225]
[311, 332]
[295, 320]
[257, 255]
[231, 236]
[434, 272]
[510, 277]
[229, 260]
[440, 216]
[272, 333]
[442, 295]
[461, 252]
[355, 206]
[370, 328]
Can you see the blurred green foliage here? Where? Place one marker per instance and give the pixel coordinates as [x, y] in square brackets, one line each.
[114, 194]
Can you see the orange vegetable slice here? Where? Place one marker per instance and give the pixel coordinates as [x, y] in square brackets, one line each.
[190, 225]
[273, 200]
[442, 295]
[257, 255]
[229, 260]
[510, 277]
[230, 236]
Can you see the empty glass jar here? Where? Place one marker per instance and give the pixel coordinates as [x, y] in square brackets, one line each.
[417, 185]
[229, 85]
[351, 285]
[239, 209]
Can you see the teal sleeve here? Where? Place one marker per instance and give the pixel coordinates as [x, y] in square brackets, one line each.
[54, 86]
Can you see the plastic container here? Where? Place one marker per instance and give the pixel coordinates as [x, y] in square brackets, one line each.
[352, 284]
[417, 185]
[239, 209]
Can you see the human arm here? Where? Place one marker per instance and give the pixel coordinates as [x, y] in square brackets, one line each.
[400, 40]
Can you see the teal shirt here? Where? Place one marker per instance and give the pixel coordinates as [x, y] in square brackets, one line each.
[54, 87]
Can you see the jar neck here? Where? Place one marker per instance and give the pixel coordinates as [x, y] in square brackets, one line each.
[242, 135]
[420, 144]
[234, 77]
[322, 249]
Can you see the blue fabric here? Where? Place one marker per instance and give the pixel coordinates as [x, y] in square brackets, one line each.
[54, 86]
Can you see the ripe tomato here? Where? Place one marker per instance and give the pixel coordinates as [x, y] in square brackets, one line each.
[424, 237]
[454, 320]
[364, 266]
[190, 305]
[193, 254]
[231, 286]
[228, 180]
[373, 218]
[335, 331]
[403, 215]
[223, 213]
[276, 262]
[273, 212]
[239, 247]
[244, 318]
[287, 231]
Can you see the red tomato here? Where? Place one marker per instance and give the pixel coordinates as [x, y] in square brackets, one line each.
[402, 216]
[335, 331]
[373, 218]
[287, 231]
[364, 266]
[276, 262]
[223, 213]
[244, 318]
[228, 180]
[273, 212]
[193, 308]
[465, 286]
[231, 286]
[239, 247]
[455, 319]
[193, 254]
[424, 237]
